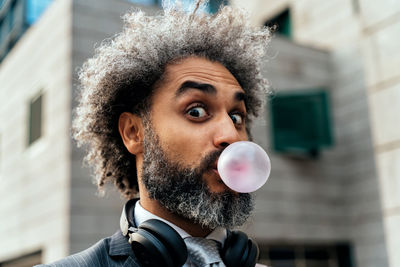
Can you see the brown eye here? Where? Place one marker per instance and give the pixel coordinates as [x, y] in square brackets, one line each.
[197, 112]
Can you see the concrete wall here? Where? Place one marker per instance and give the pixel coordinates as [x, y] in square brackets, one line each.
[34, 182]
[381, 42]
[301, 201]
[361, 36]
[334, 198]
[355, 156]
[320, 24]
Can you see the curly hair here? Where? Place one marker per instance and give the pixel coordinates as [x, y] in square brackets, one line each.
[120, 77]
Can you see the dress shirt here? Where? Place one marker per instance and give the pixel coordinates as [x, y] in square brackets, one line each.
[219, 234]
[141, 214]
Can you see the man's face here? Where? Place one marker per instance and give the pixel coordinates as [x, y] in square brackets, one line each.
[197, 110]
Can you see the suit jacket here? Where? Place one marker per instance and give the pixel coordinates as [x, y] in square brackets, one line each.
[114, 251]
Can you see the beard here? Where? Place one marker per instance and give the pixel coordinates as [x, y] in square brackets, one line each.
[183, 191]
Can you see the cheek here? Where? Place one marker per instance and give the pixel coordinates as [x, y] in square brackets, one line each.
[183, 142]
[244, 136]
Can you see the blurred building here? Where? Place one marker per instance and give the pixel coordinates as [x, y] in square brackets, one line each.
[362, 39]
[333, 195]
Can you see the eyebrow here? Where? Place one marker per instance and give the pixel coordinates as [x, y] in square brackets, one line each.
[206, 88]
[189, 85]
[240, 96]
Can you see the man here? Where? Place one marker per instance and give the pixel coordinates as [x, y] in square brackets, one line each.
[159, 103]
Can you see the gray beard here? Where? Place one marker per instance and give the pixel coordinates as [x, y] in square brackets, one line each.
[183, 191]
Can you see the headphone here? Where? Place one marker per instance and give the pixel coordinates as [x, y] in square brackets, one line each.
[155, 243]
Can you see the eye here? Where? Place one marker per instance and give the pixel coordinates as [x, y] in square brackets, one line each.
[197, 112]
[237, 119]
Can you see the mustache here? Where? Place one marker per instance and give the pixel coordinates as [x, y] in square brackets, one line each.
[209, 160]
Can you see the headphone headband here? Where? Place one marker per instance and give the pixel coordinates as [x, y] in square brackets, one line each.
[127, 222]
[155, 243]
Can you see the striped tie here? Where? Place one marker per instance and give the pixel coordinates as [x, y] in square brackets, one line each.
[203, 252]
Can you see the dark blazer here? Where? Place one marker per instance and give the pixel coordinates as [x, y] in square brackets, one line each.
[111, 251]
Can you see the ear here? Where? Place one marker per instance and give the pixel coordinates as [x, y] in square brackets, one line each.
[132, 133]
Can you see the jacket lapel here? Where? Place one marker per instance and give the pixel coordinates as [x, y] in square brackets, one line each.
[130, 262]
[120, 247]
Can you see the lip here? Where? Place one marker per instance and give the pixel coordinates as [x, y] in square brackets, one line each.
[215, 166]
[215, 170]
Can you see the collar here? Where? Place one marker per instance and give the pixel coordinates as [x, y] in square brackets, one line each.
[219, 234]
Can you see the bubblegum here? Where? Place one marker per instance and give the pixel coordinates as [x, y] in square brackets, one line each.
[244, 166]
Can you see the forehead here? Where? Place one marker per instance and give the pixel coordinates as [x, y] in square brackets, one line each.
[200, 70]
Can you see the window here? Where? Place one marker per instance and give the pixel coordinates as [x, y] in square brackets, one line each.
[11, 17]
[300, 121]
[12, 25]
[145, 2]
[2, 32]
[323, 255]
[212, 7]
[35, 119]
[34, 9]
[282, 22]
[355, 6]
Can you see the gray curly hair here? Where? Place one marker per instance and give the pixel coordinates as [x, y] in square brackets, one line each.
[121, 77]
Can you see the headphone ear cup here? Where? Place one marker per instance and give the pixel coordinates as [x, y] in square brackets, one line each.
[252, 255]
[149, 250]
[234, 249]
[164, 241]
[239, 250]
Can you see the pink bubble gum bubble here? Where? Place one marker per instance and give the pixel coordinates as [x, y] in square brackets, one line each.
[244, 166]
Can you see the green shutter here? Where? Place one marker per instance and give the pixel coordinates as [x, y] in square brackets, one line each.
[300, 121]
[282, 22]
[214, 5]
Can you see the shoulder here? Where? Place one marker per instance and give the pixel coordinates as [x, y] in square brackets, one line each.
[97, 255]
[100, 254]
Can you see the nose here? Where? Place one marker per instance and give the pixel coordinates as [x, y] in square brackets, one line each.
[226, 133]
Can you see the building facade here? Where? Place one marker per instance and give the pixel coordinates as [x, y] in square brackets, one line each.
[335, 207]
[363, 33]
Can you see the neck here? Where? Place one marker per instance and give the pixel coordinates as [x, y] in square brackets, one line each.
[156, 208]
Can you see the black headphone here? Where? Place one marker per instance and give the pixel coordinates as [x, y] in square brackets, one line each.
[155, 243]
